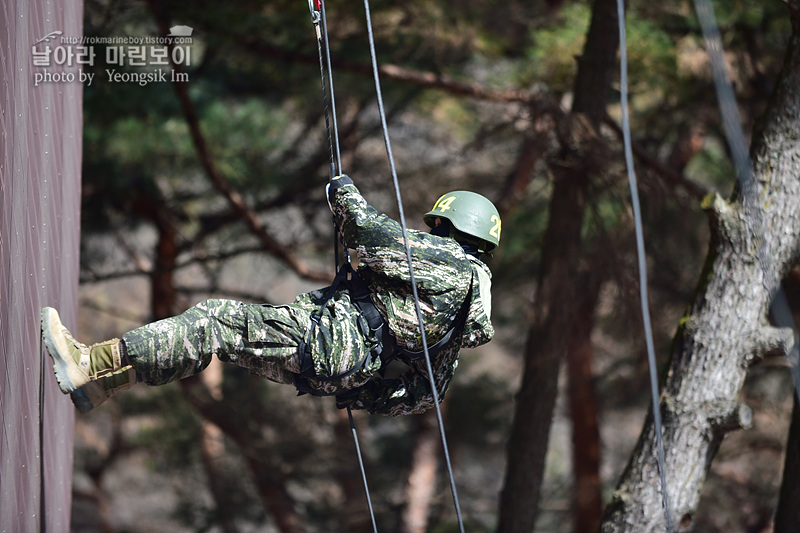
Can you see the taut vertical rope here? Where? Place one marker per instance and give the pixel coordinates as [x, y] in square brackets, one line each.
[363, 471]
[396, 184]
[637, 215]
[318, 18]
[317, 8]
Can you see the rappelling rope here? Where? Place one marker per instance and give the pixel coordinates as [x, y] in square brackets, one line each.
[637, 215]
[363, 471]
[320, 21]
[317, 9]
[396, 184]
[318, 17]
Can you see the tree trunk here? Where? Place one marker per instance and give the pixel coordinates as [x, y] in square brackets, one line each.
[421, 483]
[726, 328]
[588, 500]
[204, 395]
[163, 294]
[787, 515]
[163, 304]
[544, 350]
[555, 308]
[212, 447]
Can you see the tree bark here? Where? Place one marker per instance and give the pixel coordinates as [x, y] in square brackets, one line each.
[212, 448]
[726, 328]
[587, 490]
[163, 304]
[421, 483]
[555, 309]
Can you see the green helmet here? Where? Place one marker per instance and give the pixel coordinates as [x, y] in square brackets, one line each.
[469, 213]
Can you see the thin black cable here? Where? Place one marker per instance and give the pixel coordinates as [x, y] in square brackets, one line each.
[637, 215]
[396, 184]
[336, 166]
[315, 19]
[330, 84]
[363, 471]
[334, 153]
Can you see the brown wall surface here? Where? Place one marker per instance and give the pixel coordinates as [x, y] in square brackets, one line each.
[40, 169]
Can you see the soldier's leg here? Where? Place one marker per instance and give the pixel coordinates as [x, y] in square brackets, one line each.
[270, 345]
[261, 338]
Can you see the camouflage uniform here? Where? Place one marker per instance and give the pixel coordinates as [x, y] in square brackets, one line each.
[265, 338]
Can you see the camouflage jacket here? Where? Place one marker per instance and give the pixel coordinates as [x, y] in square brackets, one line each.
[443, 274]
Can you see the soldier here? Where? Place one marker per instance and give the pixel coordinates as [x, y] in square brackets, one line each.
[337, 341]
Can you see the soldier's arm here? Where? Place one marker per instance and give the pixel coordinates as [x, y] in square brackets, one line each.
[361, 226]
[380, 245]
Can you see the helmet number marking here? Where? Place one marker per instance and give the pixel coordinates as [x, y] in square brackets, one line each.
[495, 231]
[443, 204]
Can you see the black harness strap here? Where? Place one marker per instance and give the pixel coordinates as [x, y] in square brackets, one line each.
[408, 356]
[304, 348]
[386, 348]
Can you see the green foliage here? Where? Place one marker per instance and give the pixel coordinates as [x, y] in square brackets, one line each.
[555, 47]
[651, 57]
[247, 136]
[523, 231]
[744, 12]
[469, 525]
[712, 166]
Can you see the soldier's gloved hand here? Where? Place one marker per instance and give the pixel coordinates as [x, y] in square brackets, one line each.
[346, 399]
[335, 183]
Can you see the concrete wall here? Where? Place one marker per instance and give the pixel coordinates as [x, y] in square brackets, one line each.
[40, 169]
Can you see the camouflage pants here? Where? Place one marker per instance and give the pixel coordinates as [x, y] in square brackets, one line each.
[262, 338]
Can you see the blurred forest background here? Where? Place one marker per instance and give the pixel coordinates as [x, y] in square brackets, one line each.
[215, 188]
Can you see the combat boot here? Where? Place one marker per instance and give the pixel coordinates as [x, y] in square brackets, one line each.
[89, 374]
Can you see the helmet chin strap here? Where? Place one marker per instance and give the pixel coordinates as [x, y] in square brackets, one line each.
[470, 248]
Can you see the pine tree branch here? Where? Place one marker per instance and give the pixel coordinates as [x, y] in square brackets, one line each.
[670, 175]
[234, 198]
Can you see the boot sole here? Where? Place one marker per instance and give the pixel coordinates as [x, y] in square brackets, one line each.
[81, 400]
